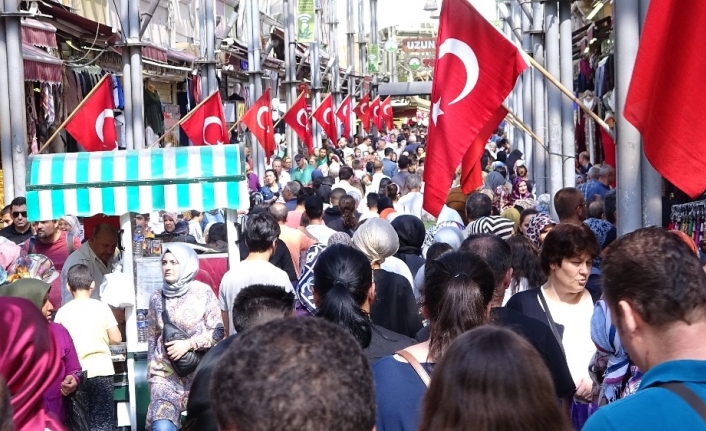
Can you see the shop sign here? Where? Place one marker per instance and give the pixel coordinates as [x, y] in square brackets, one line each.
[373, 55]
[305, 21]
[419, 44]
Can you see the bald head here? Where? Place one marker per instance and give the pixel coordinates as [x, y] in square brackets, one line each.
[279, 212]
[103, 242]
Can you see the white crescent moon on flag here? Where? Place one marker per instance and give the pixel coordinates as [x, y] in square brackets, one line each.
[261, 111]
[345, 110]
[100, 121]
[385, 110]
[470, 63]
[300, 114]
[206, 123]
[375, 111]
[327, 111]
[363, 107]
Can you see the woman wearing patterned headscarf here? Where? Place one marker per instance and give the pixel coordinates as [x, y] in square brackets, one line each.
[71, 224]
[521, 189]
[193, 308]
[394, 308]
[502, 199]
[538, 228]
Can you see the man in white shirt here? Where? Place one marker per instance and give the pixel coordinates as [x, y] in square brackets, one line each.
[344, 177]
[283, 175]
[314, 209]
[377, 177]
[413, 200]
[261, 233]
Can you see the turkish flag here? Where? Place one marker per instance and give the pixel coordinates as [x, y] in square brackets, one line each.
[324, 116]
[259, 120]
[362, 111]
[387, 116]
[344, 114]
[471, 168]
[207, 124]
[93, 126]
[475, 69]
[664, 98]
[375, 114]
[298, 120]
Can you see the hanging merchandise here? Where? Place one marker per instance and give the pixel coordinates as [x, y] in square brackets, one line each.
[689, 218]
[154, 115]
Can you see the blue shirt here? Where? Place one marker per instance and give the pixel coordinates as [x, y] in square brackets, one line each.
[653, 408]
[598, 188]
[399, 392]
[389, 167]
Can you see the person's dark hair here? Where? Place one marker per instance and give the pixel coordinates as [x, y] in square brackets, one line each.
[325, 192]
[217, 232]
[458, 287]
[6, 210]
[18, 201]
[658, 274]
[610, 205]
[484, 160]
[261, 231]
[388, 151]
[317, 182]
[566, 200]
[384, 203]
[595, 210]
[273, 173]
[336, 195]
[346, 173]
[500, 169]
[79, 277]
[279, 212]
[304, 193]
[348, 207]
[195, 213]
[478, 205]
[342, 280]
[527, 213]
[105, 229]
[372, 200]
[491, 379]
[260, 303]
[525, 263]
[334, 384]
[436, 250]
[357, 165]
[383, 186]
[566, 241]
[403, 162]
[392, 191]
[494, 250]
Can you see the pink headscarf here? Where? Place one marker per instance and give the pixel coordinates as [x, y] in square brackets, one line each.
[9, 252]
[29, 361]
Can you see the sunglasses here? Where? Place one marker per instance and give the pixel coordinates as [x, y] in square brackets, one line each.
[16, 214]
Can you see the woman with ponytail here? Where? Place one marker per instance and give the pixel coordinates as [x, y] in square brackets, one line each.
[343, 292]
[458, 289]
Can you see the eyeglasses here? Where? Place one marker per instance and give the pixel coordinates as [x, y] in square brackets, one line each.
[16, 214]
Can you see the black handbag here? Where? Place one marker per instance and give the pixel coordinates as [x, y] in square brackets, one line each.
[186, 364]
[76, 409]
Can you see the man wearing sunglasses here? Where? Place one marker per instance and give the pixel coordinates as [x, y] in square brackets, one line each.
[20, 229]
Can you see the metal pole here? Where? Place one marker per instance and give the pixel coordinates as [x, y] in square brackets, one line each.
[316, 72]
[567, 106]
[6, 125]
[15, 83]
[335, 69]
[350, 49]
[629, 174]
[255, 70]
[361, 47]
[538, 105]
[290, 65]
[374, 38]
[138, 115]
[127, 76]
[148, 16]
[651, 179]
[516, 14]
[254, 147]
[551, 28]
[527, 93]
[210, 35]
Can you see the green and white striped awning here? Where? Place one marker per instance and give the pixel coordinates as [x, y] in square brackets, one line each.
[118, 182]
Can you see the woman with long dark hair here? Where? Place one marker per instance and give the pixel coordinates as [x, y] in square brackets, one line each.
[343, 292]
[491, 379]
[348, 222]
[526, 269]
[458, 289]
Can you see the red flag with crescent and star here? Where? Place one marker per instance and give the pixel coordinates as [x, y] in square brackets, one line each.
[344, 114]
[375, 114]
[298, 120]
[362, 111]
[324, 115]
[476, 67]
[471, 167]
[387, 116]
[258, 119]
[207, 124]
[93, 126]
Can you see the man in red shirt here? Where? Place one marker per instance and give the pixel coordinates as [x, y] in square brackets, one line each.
[55, 244]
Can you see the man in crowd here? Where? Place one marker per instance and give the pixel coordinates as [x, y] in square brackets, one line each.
[655, 288]
[605, 179]
[20, 230]
[344, 176]
[570, 206]
[97, 254]
[282, 175]
[389, 168]
[584, 163]
[591, 179]
[289, 194]
[314, 210]
[413, 199]
[403, 173]
[297, 241]
[479, 210]
[6, 216]
[303, 171]
[378, 175]
[261, 233]
[321, 357]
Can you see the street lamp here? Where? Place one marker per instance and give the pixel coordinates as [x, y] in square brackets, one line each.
[430, 5]
[435, 14]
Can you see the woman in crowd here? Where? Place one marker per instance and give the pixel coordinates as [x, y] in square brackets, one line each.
[521, 171]
[435, 251]
[514, 216]
[343, 291]
[29, 362]
[253, 180]
[491, 379]
[393, 192]
[410, 231]
[421, 153]
[192, 307]
[521, 189]
[525, 217]
[458, 288]
[565, 304]
[271, 191]
[538, 228]
[526, 268]
[394, 307]
[348, 222]
[71, 224]
[502, 199]
[69, 376]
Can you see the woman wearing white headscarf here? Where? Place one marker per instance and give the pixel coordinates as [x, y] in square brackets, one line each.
[71, 225]
[394, 307]
[192, 307]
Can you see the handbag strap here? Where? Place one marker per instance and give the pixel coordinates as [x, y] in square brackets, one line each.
[686, 394]
[165, 316]
[421, 372]
[552, 323]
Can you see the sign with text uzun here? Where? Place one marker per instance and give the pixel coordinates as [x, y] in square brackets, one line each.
[419, 44]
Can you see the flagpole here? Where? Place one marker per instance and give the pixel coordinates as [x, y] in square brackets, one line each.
[181, 120]
[73, 113]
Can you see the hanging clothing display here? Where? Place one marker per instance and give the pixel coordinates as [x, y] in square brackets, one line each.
[690, 218]
[154, 114]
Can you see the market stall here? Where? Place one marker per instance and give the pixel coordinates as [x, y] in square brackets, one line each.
[139, 181]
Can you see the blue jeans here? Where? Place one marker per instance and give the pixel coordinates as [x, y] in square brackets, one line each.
[163, 425]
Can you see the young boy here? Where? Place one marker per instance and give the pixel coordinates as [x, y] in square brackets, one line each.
[93, 328]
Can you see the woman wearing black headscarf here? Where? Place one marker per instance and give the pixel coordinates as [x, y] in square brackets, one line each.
[411, 232]
[514, 156]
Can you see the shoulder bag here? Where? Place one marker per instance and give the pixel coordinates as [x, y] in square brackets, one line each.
[170, 332]
[418, 368]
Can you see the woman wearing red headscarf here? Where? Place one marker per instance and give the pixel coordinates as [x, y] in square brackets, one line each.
[30, 363]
